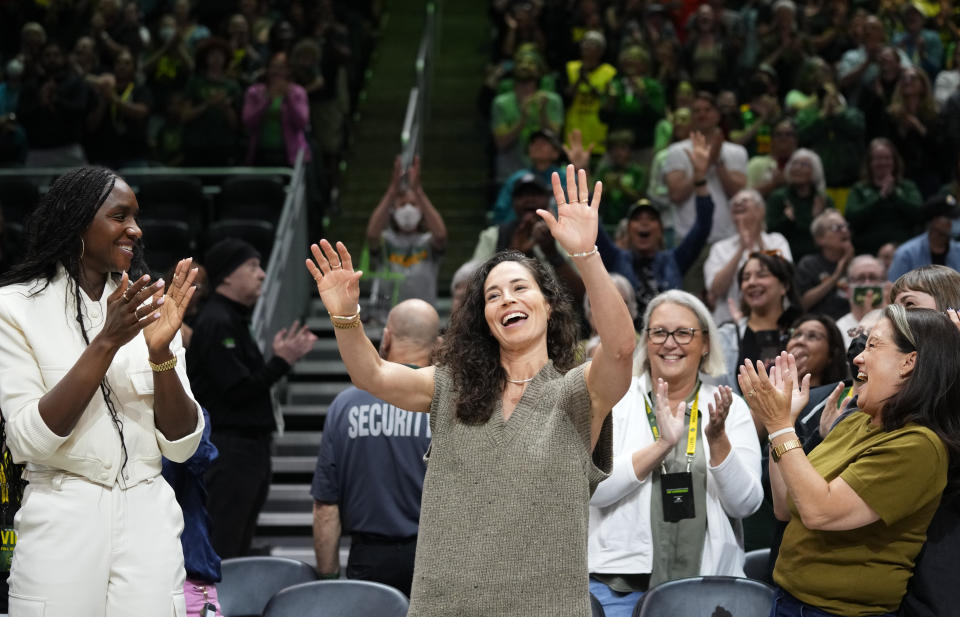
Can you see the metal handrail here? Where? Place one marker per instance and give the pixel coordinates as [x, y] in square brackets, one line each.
[417, 113]
[287, 287]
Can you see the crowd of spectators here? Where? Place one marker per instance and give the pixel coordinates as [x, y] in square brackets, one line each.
[816, 106]
[127, 83]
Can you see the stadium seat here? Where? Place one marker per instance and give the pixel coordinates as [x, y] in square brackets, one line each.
[258, 233]
[340, 598]
[249, 582]
[706, 596]
[165, 242]
[251, 197]
[755, 565]
[596, 609]
[18, 197]
[178, 198]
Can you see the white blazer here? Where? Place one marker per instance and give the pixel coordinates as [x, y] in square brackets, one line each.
[620, 538]
[40, 340]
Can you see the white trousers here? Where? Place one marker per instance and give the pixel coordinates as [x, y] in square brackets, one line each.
[85, 550]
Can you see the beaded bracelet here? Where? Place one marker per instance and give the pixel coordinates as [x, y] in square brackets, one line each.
[586, 254]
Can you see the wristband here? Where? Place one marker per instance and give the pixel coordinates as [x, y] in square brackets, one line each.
[782, 431]
[699, 183]
[329, 577]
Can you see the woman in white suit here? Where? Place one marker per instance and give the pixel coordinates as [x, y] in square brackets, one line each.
[686, 464]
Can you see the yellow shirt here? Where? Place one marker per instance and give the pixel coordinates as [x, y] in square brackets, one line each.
[864, 571]
[584, 111]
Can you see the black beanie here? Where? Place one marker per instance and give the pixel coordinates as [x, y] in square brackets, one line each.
[226, 256]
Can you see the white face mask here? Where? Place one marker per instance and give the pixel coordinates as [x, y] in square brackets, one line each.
[407, 217]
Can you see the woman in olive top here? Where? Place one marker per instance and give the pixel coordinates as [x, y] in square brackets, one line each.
[860, 504]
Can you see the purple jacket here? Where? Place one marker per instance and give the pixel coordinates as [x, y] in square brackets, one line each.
[294, 116]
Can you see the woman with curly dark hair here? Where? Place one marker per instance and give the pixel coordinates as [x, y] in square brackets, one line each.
[93, 389]
[521, 437]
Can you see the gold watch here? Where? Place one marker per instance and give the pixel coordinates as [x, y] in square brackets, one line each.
[779, 451]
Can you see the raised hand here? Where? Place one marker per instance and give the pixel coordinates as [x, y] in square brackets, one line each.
[786, 365]
[701, 155]
[769, 404]
[832, 410]
[173, 305]
[578, 156]
[337, 283]
[576, 226]
[130, 308]
[669, 421]
[413, 173]
[294, 342]
[718, 410]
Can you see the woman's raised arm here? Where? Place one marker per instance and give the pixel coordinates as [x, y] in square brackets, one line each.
[339, 288]
[608, 376]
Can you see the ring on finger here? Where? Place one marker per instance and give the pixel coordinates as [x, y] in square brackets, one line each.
[126, 298]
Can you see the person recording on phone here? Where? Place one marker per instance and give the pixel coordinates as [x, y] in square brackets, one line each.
[936, 246]
[868, 290]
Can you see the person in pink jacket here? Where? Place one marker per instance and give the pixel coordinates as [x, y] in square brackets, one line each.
[276, 115]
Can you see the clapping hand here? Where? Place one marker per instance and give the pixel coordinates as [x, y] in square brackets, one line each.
[575, 227]
[172, 307]
[832, 410]
[770, 404]
[786, 365]
[718, 410]
[702, 154]
[669, 421]
[294, 342]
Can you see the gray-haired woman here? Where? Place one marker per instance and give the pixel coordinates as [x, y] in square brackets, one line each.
[637, 538]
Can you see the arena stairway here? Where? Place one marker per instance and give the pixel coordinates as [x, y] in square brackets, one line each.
[284, 527]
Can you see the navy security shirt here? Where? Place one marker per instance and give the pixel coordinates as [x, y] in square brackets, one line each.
[371, 464]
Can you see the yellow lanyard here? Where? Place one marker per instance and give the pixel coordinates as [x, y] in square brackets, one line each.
[691, 430]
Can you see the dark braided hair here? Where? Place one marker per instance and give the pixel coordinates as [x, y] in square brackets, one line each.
[473, 354]
[55, 237]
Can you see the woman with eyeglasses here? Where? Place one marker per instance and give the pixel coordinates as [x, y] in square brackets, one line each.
[858, 506]
[769, 304]
[686, 464]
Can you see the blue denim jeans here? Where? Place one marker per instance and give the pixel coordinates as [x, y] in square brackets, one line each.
[615, 603]
[785, 605]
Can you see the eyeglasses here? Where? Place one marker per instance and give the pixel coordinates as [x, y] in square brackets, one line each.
[682, 336]
[810, 335]
[838, 227]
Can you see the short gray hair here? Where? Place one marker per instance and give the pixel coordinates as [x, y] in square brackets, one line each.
[713, 363]
[816, 165]
[819, 225]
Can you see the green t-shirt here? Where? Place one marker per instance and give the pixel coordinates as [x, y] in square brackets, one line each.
[864, 571]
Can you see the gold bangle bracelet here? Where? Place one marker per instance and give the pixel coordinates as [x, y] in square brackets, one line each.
[335, 318]
[163, 366]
